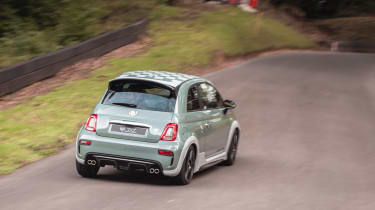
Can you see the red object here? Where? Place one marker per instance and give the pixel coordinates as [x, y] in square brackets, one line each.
[170, 132]
[91, 123]
[165, 152]
[85, 142]
[253, 3]
[233, 1]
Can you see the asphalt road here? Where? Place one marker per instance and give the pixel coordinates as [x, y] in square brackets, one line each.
[307, 143]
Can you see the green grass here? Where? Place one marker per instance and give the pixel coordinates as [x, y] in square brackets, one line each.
[73, 21]
[349, 28]
[181, 39]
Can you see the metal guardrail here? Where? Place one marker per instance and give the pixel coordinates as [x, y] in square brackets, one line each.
[26, 73]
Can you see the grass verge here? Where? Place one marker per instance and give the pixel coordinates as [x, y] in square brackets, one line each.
[182, 39]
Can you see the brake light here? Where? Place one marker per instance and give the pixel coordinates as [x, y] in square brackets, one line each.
[165, 152]
[91, 123]
[170, 132]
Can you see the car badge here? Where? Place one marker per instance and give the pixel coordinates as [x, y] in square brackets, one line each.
[133, 113]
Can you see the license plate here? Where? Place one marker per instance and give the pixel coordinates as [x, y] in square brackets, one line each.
[128, 129]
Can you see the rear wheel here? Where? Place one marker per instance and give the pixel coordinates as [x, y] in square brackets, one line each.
[187, 170]
[86, 170]
[232, 152]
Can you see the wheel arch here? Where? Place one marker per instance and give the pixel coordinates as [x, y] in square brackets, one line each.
[235, 127]
[191, 141]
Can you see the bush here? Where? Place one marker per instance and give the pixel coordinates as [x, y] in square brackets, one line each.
[30, 28]
[330, 8]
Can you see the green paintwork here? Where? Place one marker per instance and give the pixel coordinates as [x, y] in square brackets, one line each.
[210, 127]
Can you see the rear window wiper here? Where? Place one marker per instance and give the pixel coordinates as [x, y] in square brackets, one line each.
[126, 104]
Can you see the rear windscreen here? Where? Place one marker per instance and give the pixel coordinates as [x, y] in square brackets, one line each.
[140, 95]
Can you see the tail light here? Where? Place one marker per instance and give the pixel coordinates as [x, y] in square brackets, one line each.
[91, 123]
[170, 132]
[85, 142]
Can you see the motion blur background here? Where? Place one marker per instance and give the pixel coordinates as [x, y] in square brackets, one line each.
[186, 36]
[306, 113]
[32, 28]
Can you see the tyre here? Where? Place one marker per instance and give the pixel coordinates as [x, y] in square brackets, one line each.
[232, 152]
[187, 170]
[86, 170]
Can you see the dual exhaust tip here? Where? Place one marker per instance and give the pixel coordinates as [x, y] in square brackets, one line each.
[154, 171]
[91, 162]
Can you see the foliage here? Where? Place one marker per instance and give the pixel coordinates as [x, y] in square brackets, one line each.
[331, 8]
[32, 28]
[349, 28]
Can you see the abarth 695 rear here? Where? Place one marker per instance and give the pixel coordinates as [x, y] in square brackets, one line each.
[165, 123]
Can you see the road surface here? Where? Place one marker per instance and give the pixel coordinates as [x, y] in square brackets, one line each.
[307, 143]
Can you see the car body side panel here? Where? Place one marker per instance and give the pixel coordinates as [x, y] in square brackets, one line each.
[214, 124]
[217, 127]
[204, 161]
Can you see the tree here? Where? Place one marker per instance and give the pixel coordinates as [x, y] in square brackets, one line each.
[330, 8]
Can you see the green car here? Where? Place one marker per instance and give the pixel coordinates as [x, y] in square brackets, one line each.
[159, 122]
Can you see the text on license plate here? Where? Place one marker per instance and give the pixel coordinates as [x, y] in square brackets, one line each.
[128, 129]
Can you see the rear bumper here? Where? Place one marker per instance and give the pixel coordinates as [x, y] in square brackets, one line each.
[124, 154]
[126, 163]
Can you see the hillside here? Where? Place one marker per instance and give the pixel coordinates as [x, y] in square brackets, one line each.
[33, 28]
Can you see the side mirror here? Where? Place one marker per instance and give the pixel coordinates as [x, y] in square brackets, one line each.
[229, 104]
